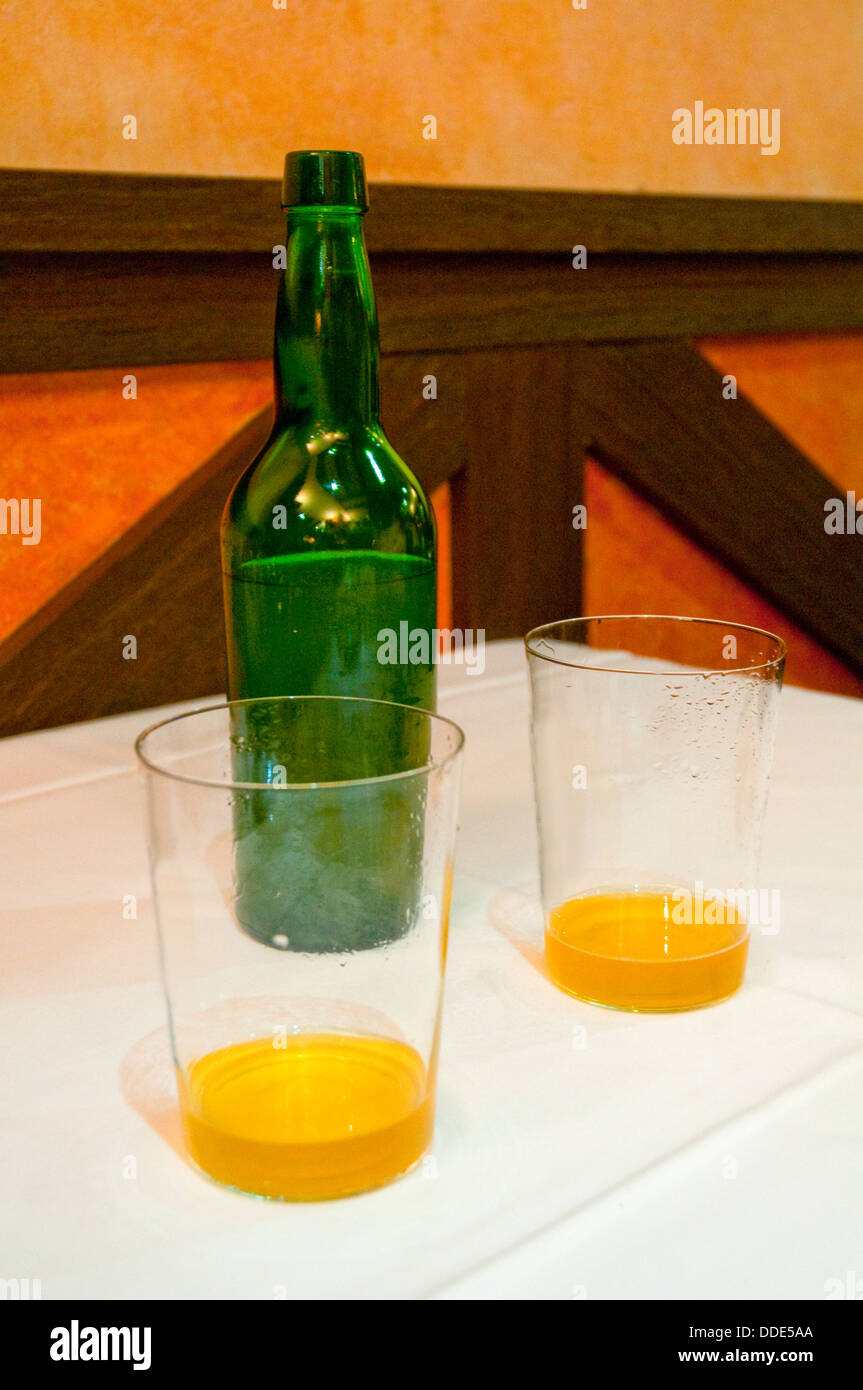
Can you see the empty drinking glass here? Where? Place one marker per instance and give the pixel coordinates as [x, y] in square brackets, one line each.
[652, 745]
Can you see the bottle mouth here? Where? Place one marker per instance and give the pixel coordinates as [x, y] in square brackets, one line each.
[325, 178]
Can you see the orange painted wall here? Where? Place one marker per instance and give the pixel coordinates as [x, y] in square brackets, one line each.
[99, 462]
[529, 93]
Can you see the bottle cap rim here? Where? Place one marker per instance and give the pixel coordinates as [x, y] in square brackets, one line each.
[324, 178]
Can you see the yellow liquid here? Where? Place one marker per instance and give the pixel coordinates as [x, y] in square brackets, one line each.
[325, 1116]
[624, 950]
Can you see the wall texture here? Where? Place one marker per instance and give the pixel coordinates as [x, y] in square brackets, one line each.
[531, 93]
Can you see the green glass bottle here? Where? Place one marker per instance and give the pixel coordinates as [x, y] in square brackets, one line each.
[328, 541]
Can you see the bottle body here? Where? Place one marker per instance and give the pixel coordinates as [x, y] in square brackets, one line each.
[328, 546]
[308, 620]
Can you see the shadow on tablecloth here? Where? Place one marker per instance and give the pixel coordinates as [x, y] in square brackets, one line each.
[147, 1084]
[519, 920]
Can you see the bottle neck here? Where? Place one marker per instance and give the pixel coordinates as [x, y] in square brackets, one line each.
[326, 342]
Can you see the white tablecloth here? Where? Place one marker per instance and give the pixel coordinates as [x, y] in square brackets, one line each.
[579, 1153]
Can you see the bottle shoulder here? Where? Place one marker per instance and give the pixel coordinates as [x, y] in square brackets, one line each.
[329, 487]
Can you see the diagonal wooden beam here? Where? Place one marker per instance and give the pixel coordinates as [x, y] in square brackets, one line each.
[728, 478]
[160, 583]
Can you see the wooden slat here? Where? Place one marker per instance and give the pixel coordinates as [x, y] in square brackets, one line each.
[428, 433]
[519, 557]
[63, 210]
[540, 220]
[476, 301]
[728, 478]
[69, 211]
[133, 310]
[73, 312]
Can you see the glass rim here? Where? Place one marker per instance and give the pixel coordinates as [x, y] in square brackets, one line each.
[537, 633]
[228, 784]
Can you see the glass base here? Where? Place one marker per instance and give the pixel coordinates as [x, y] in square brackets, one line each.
[646, 1008]
[627, 950]
[324, 1116]
[295, 1198]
